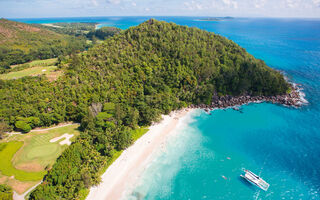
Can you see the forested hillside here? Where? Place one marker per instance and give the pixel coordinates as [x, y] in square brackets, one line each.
[103, 33]
[20, 43]
[73, 28]
[129, 80]
[85, 29]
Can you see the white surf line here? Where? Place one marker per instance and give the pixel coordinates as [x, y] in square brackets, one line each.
[97, 26]
[51, 25]
[125, 171]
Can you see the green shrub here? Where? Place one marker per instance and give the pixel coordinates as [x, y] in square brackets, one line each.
[6, 192]
[23, 126]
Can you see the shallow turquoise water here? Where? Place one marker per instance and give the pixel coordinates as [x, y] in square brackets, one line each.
[216, 147]
[279, 143]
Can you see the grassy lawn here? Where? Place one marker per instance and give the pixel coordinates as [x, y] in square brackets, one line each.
[34, 68]
[37, 63]
[7, 168]
[136, 134]
[26, 156]
[33, 71]
[39, 152]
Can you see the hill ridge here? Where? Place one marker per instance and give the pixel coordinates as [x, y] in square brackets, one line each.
[21, 43]
[129, 80]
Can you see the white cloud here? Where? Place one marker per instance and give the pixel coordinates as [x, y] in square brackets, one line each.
[199, 6]
[241, 8]
[187, 4]
[316, 2]
[291, 3]
[259, 3]
[94, 2]
[193, 5]
[230, 3]
[114, 1]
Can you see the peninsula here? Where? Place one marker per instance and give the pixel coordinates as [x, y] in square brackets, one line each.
[127, 82]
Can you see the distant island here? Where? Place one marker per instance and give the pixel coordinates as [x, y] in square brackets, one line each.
[215, 19]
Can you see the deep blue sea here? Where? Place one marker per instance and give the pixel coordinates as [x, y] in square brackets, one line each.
[281, 144]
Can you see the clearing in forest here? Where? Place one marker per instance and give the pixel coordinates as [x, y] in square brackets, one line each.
[34, 71]
[34, 68]
[37, 63]
[25, 157]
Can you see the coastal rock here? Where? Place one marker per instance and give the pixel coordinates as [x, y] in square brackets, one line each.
[292, 99]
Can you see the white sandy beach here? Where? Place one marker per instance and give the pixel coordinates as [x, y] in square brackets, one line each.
[97, 26]
[51, 25]
[125, 171]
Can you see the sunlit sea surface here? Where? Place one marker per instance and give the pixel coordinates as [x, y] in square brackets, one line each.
[204, 160]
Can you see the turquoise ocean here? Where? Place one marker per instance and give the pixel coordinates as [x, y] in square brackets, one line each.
[204, 160]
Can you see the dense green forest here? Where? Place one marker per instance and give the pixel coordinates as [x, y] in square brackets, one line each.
[5, 192]
[85, 29]
[74, 28]
[20, 43]
[103, 33]
[129, 80]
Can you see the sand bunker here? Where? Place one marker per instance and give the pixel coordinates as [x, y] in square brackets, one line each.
[65, 141]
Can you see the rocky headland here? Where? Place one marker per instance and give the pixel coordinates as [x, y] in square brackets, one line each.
[295, 98]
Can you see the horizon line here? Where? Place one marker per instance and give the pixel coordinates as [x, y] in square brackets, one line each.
[261, 17]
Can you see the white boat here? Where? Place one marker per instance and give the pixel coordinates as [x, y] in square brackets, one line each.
[255, 180]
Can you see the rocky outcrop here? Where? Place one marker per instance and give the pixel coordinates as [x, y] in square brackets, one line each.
[292, 99]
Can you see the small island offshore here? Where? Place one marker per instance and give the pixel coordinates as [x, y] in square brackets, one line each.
[213, 19]
[128, 82]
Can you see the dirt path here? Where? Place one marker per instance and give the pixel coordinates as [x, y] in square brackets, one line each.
[58, 126]
[44, 129]
[17, 196]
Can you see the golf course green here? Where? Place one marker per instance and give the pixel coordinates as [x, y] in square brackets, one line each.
[7, 151]
[26, 156]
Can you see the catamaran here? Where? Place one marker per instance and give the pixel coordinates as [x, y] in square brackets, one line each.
[255, 180]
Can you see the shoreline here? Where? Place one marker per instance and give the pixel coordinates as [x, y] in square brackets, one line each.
[296, 98]
[51, 25]
[96, 26]
[122, 175]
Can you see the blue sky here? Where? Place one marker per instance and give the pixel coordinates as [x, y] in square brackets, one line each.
[235, 8]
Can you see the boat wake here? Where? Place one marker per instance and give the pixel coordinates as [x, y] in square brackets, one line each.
[257, 194]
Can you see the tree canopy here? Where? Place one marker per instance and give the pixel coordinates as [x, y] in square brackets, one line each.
[128, 80]
[6, 192]
[20, 43]
[103, 33]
